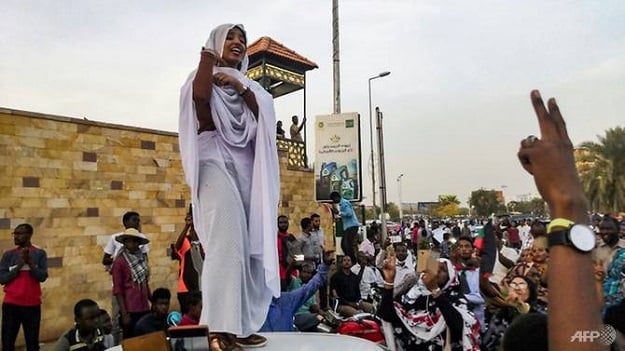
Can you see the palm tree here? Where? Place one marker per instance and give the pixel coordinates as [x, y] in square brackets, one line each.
[602, 170]
[448, 199]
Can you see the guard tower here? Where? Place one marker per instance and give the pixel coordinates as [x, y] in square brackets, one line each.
[277, 68]
[281, 71]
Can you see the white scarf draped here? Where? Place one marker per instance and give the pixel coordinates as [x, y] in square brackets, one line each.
[237, 127]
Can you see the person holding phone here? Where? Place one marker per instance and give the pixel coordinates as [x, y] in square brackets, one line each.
[433, 314]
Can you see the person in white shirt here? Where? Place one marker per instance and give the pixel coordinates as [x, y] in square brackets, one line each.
[405, 276]
[367, 245]
[368, 274]
[524, 233]
[505, 258]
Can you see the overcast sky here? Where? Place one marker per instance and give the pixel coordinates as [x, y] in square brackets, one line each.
[455, 105]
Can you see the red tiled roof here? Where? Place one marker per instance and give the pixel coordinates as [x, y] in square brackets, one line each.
[266, 44]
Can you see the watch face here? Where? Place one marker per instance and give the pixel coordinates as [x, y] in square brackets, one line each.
[582, 237]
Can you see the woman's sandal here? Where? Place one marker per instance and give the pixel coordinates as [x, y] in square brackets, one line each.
[252, 341]
[224, 342]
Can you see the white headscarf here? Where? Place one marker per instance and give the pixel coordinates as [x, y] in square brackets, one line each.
[217, 40]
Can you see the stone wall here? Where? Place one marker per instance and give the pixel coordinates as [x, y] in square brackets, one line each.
[73, 179]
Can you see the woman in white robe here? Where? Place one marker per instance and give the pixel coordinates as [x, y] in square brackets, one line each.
[228, 148]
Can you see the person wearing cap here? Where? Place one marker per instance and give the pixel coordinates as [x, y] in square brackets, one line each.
[130, 280]
[130, 219]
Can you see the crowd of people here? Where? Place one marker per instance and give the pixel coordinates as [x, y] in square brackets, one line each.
[239, 277]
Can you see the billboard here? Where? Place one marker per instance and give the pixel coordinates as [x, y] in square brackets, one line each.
[337, 156]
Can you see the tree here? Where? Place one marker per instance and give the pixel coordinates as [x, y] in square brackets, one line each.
[393, 211]
[535, 207]
[446, 210]
[601, 166]
[448, 199]
[485, 202]
[369, 213]
[447, 206]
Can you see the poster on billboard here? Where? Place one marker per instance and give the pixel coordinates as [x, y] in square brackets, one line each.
[337, 157]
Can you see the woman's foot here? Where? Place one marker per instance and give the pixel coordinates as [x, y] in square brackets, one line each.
[224, 342]
[252, 341]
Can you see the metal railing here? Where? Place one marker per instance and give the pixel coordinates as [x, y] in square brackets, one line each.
[296, 152]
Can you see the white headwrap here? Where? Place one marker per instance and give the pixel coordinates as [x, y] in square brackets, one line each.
[217, 40]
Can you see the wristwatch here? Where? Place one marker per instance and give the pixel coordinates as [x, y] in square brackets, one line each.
[579, 236]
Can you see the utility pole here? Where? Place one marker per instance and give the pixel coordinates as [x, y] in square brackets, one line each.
[336, 57]
[382, 179]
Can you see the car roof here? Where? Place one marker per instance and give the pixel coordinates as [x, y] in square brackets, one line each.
[315, 341]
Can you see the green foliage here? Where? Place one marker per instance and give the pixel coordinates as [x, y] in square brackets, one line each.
[535, 206]
[445, 210]
[369, 213]
[393, 211]
[423, 244]
[484, 202]
[448, 199]
[391, 208]
[602, 170]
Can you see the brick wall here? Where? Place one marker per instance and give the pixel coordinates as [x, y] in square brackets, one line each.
[73, 179]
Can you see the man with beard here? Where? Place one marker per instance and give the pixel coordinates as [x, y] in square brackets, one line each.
[468, 268]
[610, 242]
[22, 270]
[405, 276]
[345, 287]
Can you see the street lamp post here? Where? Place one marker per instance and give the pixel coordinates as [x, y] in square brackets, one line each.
[372, 160]
[401, 212]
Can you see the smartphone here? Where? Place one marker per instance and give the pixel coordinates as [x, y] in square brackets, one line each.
[395, 239]
[299, 258]
[189, 338]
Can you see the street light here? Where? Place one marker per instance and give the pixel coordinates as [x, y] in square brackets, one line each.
[401, 212]
[383, 74]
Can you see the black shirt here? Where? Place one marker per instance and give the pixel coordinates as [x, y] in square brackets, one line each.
[149, 324]
[347, 287]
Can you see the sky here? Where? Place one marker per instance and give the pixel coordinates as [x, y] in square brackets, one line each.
[455, 105]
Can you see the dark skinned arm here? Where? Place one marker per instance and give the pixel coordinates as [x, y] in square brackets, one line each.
[203, 90]
[550, 161]
[183, 234]
[506, 262]
[107, 259]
